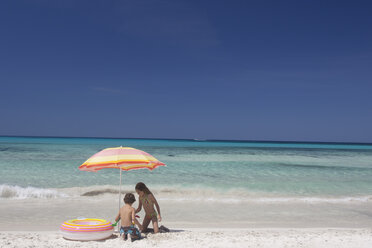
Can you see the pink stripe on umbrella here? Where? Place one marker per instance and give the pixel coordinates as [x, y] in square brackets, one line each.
[113, 152]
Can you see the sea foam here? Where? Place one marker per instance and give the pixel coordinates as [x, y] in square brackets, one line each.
[17, 192]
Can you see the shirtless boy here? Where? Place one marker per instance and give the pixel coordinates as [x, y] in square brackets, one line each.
[128, 219]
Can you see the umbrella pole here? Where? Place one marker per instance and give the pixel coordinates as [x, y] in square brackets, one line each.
[119, 198]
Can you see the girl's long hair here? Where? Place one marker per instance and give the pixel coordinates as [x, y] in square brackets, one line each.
[142, 187]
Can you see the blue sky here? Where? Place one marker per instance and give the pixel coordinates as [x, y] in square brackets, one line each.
[247, 70]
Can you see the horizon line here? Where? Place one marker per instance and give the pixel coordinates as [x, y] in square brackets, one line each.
[194, 140]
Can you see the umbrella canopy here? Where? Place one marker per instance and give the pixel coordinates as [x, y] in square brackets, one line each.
[124, 158]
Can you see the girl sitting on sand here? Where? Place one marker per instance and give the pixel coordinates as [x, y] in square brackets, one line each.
[147, 200]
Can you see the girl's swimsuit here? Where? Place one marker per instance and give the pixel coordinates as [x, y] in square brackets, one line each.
[146, 200]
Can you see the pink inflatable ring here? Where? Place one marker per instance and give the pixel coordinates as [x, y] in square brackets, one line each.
[86, 229]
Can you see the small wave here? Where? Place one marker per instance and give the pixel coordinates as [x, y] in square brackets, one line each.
[17, 192]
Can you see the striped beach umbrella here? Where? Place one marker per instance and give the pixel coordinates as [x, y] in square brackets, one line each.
[122, 158]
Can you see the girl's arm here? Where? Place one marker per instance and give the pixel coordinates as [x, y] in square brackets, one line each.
[156, 205]
[133, 216]
[139, 205]
[135, 221]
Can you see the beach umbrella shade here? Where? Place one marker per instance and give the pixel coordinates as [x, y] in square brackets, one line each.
[122, 158]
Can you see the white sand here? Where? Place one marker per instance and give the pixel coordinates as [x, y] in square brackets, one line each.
[49, 214]
[35, 223]
[340, 238]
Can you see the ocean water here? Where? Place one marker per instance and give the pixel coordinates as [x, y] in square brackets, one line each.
[32, 167]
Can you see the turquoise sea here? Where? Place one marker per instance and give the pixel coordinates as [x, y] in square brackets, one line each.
[30, 166]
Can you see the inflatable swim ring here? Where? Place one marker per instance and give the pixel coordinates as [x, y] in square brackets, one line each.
[87, 229]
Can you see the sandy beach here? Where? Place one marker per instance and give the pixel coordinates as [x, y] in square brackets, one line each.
[35, 223]
[323, 237]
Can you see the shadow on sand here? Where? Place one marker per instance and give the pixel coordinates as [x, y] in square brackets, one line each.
[116, 235]
[162, 229]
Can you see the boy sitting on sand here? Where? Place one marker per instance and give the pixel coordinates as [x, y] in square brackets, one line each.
[128, 219]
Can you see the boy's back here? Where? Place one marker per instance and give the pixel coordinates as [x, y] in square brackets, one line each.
[126, 213]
